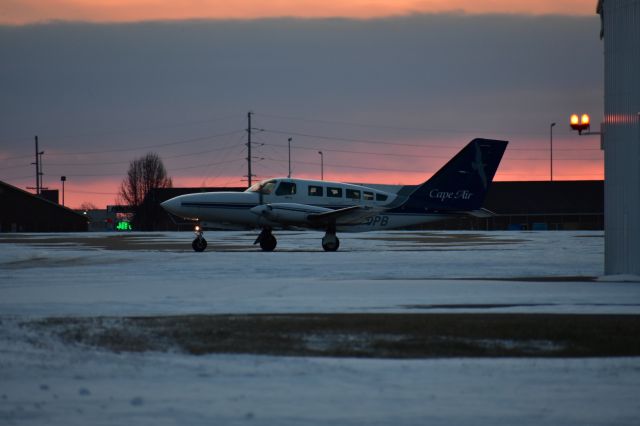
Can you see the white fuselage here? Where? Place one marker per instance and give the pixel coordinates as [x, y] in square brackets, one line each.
[292, 201]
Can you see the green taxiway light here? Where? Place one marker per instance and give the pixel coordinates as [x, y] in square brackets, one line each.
[123, 226]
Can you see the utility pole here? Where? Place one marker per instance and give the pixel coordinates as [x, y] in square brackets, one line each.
[37, 163]
[289, 175]
[321, 165]
[63, 179]
[249, 174]
[39, 173]
[551, 150]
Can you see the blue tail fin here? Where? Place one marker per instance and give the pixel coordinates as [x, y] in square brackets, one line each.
[462, 183]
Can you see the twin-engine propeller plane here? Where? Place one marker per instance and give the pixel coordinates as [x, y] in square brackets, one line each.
[458, 188]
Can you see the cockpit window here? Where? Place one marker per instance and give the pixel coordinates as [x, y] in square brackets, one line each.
[264, 187]
[286, 188]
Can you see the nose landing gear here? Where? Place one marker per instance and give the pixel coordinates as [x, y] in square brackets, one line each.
[266, 239]
[199, 244]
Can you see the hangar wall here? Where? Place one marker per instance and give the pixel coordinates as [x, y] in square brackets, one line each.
[21, 211]
[621, 34]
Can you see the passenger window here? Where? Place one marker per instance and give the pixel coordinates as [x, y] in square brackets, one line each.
[315, 191]
[381, 197]
[353, 194]
[367, 196]
[286, 188]
[334, 192]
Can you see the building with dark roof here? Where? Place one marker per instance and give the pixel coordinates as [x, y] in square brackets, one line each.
[21, 211]
[557, 205]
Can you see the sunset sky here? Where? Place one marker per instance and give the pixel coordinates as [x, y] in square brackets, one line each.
[388, 90]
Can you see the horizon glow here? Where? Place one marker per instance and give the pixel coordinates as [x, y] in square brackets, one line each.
[35, 11]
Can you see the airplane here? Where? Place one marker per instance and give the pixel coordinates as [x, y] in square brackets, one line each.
[458, 188]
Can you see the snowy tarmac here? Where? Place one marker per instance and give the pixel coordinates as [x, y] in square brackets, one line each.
[43, 381]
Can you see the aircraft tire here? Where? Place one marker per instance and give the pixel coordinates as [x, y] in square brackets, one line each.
[268, 243]
[199, 244]
[330, 244]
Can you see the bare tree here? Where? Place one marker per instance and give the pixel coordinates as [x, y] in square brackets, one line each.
[88, 206]
[145, 173]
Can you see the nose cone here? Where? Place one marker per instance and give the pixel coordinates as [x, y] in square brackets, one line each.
[171, 205]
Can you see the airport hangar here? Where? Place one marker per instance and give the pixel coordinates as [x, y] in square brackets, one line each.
[535, 205]
[22, 211]
[621, 134]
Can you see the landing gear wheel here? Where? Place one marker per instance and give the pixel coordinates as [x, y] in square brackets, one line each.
[266, 239]
[199, 244]
[330, 242]
[268, 243]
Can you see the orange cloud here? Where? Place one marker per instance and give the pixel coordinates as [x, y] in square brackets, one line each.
[17, 12]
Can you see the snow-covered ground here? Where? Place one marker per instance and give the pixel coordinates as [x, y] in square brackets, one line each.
[373, 272]
[43, 381]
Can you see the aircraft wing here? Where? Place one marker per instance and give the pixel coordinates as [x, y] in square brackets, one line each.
[351, 215]
[292, 214]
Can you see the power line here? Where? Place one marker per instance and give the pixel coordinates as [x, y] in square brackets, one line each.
[384, 154]
[389, 127]
[134, 129]
[91, 192]
[207, 164]
[180, 142]
[127, 162]
[387, 143]
[15, 158]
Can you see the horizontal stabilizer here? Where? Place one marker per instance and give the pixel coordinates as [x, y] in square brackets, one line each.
[481, 213]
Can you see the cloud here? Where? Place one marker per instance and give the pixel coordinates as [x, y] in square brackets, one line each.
[426, 61]
[84, 87]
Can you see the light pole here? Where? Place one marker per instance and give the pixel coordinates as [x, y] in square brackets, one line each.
[289, 175]
[321, 165]
[551, 149]
[63, 179]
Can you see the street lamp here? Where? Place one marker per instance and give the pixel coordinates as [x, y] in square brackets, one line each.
[551, 149]
[580, 123]
[321, 165]
[63, 179]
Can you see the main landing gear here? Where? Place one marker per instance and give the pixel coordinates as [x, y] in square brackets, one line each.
[199, 244]
[330, 241]
[268, 242]
[266, 239]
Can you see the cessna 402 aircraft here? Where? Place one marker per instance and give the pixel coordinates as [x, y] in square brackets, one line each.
[457, 188]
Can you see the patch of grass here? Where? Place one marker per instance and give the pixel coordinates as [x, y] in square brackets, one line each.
[361, 335]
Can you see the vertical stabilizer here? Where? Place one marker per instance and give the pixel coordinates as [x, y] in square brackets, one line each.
[462, 183]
